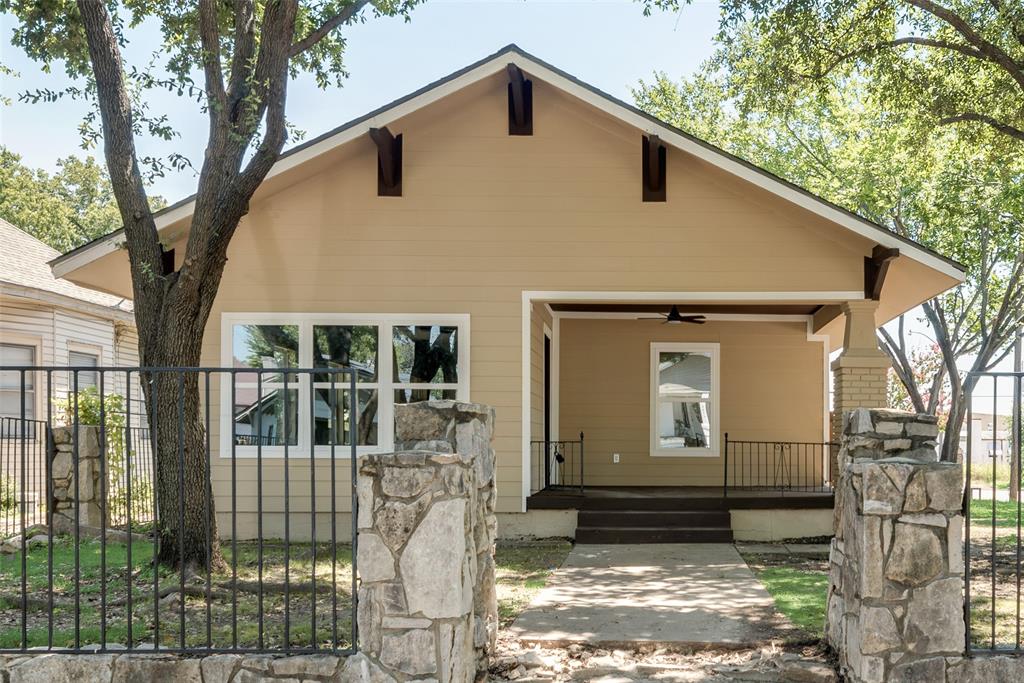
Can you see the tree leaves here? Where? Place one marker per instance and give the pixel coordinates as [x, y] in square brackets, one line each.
[66, 209]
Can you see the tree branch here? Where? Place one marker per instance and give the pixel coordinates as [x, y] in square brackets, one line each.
[987, 120]
[329, 25]
[992, 52]
[209, 35]
[114, 103]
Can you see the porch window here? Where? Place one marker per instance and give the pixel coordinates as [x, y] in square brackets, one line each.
[684, 399]
[396, 359]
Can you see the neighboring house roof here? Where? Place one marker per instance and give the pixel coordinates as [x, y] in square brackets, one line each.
[24, 270]
[539, 69]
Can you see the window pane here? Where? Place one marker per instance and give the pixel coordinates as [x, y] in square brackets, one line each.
[16, 354]
[265, 346]
[684, 375]
[79, 359]
[266, 421]
[425, 354]
[417, 395]
[683, 425]
[335, 413]
[346, 346]
[9, 406]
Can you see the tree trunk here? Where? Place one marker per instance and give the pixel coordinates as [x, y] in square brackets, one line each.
[187, 522]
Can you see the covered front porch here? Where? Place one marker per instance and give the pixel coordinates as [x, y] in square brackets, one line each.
[674, 419]
[717, 395]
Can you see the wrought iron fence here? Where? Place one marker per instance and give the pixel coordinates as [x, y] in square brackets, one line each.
[556, 464]
[23, 493]
[993, 519]
[180, 536]
[782, 466]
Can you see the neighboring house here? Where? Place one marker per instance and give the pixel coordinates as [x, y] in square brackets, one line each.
[510, 246]
[48, 321]
[991, 438]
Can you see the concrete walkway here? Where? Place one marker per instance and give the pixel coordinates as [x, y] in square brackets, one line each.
[690, 594]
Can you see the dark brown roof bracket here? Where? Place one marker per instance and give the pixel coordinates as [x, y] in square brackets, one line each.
[520, 102]
[389, 162]
[876, 267]
[654, 158]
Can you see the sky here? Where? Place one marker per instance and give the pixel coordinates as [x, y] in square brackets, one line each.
[608, 44]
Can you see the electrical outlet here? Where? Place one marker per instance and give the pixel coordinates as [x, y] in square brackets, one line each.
[615, 458]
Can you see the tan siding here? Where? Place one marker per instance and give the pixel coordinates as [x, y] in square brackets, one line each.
[772, 388]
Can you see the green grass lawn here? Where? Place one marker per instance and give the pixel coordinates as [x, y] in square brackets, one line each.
[171, 622]
[799, 586]
[1006, 513]
[522, 570]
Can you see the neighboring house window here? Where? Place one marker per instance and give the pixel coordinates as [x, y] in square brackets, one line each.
[10, 381]
[82, 359]
[684, 399]
[396, 359]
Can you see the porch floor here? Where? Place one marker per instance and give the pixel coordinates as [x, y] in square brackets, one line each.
[675, 498]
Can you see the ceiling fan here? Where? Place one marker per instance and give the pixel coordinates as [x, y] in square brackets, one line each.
[674, 317]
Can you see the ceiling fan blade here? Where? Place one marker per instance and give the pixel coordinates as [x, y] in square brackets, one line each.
[658, 318]
[695, 319]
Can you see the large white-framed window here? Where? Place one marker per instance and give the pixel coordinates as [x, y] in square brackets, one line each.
[685, 393]
[398, 358]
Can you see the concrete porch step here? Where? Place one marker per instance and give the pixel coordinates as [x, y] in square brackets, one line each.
[621, 534]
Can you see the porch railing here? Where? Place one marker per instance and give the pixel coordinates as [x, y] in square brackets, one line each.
[117, 566]
[802, 466]
[556, 465]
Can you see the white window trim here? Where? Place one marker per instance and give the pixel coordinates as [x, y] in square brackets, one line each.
[86, 350]
[689, 452]
[16, 339]
[305, 322]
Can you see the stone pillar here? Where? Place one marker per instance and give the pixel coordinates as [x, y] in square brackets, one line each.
[895, 607]
[84, 499]
[427, 603]
[860, 374]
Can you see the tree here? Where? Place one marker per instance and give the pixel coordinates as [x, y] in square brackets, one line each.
[66, 209]
[928, 373]
[958, 61]
[955, 193]
[243, 53]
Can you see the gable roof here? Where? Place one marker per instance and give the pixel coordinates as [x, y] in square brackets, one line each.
[554, 76]
[23, 265]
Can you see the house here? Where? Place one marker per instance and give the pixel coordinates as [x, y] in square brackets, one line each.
[510, 235]
[48, 321]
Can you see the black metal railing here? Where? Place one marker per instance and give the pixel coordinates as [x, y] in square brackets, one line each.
[556, 464]
[802, 466]
[181, 537]
[993, 519]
